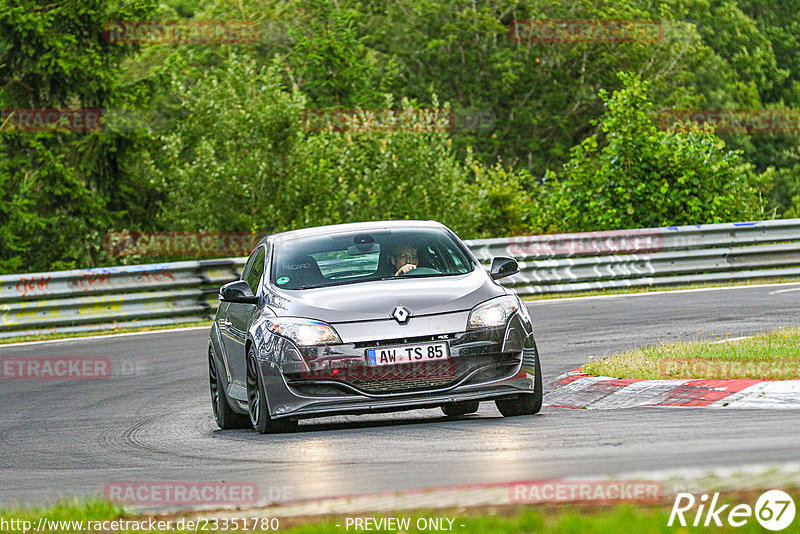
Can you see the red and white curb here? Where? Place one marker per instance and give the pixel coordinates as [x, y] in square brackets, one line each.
[579, 390]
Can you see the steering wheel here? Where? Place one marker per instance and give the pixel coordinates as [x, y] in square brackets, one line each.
[420, 271]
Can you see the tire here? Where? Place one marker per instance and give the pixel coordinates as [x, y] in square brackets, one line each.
[257, 405]
[224, 415]
[457, 409]
[524, 403]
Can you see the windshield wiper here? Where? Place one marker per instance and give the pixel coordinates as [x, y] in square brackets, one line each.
[416, 276]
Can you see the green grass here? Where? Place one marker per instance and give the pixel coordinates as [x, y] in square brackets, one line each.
[651, 288]
[772, 356]
[66, 510]
[45, 337]
[540, 519]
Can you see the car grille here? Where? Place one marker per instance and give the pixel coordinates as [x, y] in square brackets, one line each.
[409, 378]
[395, 386]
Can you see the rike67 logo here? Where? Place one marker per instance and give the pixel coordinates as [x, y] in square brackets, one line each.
[774, 510]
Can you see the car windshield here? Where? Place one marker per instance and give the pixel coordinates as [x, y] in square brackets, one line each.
[346, 258]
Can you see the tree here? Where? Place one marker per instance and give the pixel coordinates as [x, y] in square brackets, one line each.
[242, 158]
[635, 175]
[62, 189]
[226, 163]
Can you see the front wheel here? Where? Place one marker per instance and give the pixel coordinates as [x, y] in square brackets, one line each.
[525, 403]
[224, 415]
[257, 404]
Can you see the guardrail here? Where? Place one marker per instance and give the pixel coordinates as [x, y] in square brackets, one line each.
[181, 292]
[113, 297]
[649, 257]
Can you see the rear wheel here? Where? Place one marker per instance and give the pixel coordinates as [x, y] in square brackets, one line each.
[256, 402]
[456, 409]
[224, 415]
[525, 403]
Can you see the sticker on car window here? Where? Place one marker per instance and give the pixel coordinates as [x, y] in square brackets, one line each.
[282, 280]
[296, 266]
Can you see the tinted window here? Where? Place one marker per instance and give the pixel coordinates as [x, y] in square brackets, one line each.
[339, 263]
[353, 257]
[256, 271]
[249, 265]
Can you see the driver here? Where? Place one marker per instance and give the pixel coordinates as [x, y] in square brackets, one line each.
[404, 258]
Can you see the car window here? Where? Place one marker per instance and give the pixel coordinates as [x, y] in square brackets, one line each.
[249, 265]
[456, 258]
[254, 276]
[352, 257]
[340, 264]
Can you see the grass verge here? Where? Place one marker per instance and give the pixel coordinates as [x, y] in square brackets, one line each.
[46, 337]
[772, 356]
[507, 519]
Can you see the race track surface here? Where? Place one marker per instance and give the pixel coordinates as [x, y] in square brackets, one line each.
[153, 421]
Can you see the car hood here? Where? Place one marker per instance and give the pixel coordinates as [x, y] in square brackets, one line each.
[376, 300]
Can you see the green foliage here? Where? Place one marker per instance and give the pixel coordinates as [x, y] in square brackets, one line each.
[543, 94]
[330, 62]
[218, 143]
[60, 191]
[240, 143]
[779, 22]
[227, 160]
[415, 175]
[786, 185]
[640, 176]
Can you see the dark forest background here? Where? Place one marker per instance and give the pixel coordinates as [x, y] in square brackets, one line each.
[546, 137]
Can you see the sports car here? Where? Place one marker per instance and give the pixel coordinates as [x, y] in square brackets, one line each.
[367, 318]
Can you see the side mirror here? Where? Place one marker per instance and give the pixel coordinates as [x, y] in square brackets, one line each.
[237, 291]
[503, 266]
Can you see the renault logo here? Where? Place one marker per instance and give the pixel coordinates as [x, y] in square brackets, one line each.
[401, 314]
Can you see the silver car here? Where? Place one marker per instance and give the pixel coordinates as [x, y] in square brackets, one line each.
[368, 318]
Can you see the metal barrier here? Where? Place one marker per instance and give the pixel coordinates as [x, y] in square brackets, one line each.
[649, 257]
[113, 297]
[174, 293]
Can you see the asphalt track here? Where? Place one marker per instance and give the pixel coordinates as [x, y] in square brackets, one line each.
[151, 420]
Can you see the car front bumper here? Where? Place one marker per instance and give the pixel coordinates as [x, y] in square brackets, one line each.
[333, 380]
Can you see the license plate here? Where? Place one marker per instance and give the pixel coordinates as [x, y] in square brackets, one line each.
[423, 352]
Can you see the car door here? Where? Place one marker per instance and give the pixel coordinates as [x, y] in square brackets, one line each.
[240, 315]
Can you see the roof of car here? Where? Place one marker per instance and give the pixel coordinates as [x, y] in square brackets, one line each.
[351, 227]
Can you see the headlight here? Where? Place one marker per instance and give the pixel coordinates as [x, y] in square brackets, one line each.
[303, 331]
[493, 312]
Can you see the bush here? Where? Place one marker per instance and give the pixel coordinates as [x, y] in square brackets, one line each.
[635, 175]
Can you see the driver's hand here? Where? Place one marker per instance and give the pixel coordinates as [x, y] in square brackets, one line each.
[405, 268]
